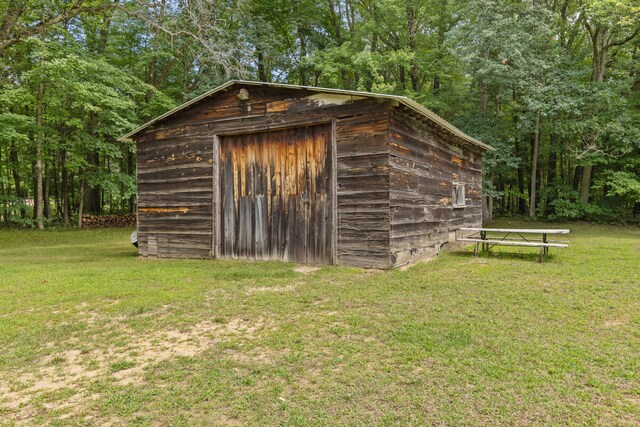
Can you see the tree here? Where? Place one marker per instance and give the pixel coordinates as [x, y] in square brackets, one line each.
[611, 24]
[21, 19]
[554, 85]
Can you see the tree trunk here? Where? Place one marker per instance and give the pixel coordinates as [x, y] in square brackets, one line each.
[534, 168]
[600, 44]
[412, 33]
[484, 90]
[577, 176]
[56, 188]
[92, 194]
[186, 69]
[303, 55]
[15, 171]
[522, 204]
[552, 164]
[492, 179]
[34, 185]
[65, 188]
[81, 202]
[153, 63]
[103, 36]
[585, 184]
[9, 212]
[442, 31]
[484, 97]
[262, 71]
[415, 78]
[132, 169]
[402, 77]
[12, 12]
[552, 170]
[4, 216]
[47, 191]
[39, 182]
[485, 209]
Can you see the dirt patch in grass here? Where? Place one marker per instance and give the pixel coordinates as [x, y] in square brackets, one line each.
[489, 340]
[259, 356]
[74, 368]
[618, 321]
[306, 269]
[287, 288]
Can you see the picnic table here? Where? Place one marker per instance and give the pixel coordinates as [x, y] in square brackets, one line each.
[534, 237]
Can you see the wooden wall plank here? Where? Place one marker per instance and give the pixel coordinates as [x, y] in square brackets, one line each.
[174, 182]
[423, 165]
[181, 151]
[277, 195]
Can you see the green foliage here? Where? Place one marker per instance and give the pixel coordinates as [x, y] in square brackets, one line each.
[491, 67]
[88, 104]
[566, 206]
[618, 187]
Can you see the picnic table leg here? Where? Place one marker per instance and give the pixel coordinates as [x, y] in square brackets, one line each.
[483, 236]
[475, 249]
[544, 240]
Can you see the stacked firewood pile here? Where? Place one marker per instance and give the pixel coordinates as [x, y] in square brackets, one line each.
[105, 221]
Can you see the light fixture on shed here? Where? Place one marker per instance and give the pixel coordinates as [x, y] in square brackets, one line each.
[243, 95]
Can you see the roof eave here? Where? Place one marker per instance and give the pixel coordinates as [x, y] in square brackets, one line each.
[442, 122]
[403, 99]
[127, 137]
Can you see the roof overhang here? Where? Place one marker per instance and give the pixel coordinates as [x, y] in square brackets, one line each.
[408, 102]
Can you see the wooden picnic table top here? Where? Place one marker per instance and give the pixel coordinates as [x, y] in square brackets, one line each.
[512, 243]
[519, 230]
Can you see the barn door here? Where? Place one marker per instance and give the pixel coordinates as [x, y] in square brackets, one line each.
[275, 199]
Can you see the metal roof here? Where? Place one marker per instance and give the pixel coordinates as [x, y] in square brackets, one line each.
[408, 102]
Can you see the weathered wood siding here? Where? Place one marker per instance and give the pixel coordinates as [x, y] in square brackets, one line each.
[176, 164]
[175, 195]
[363, 190]
[423, 165]
[276, 195]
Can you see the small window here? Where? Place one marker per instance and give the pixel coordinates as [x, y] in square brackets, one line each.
[458, 195]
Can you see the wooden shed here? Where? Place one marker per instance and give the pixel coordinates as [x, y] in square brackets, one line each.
[264, 171]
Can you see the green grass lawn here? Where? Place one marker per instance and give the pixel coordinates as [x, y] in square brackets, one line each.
[90, 334]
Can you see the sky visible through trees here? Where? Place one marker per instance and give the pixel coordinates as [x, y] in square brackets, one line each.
[554, 85]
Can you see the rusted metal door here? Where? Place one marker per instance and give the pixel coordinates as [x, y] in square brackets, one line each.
[275, 196]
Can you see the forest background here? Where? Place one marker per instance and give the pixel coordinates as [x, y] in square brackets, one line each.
[553, 85]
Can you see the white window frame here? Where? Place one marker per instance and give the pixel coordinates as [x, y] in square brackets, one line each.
[458, 195]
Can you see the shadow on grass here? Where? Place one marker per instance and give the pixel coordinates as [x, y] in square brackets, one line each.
[502, 255]
[121, 254]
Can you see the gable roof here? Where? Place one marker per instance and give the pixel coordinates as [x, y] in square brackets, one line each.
[408, 102]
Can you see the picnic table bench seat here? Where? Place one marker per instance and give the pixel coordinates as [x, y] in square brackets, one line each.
[479, 236]
[515, 243]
